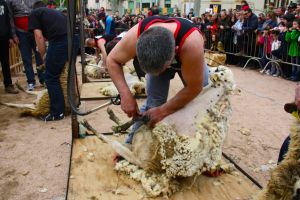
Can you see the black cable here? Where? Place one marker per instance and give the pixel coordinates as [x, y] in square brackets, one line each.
[241, 170]
[70, 29]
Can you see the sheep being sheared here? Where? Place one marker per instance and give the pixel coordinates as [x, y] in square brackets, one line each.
[41, 106]
[183, 148]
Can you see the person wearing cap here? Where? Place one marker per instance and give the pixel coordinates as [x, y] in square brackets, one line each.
[245, 5]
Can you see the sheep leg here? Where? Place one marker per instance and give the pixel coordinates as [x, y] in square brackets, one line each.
[15, 105]
[117, 146]
[122, 127]
[113, 117]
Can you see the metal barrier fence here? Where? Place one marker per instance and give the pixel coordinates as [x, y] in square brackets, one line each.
[252, 45]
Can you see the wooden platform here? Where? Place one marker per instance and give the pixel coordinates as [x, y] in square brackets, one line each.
[91, 91]
[99, 180]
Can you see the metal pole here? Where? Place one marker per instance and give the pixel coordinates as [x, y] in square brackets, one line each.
[82, 39]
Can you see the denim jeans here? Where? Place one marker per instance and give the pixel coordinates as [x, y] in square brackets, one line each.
[157, 94]
[56, 58]
[4, 60]
[295, 69]
[27, 45]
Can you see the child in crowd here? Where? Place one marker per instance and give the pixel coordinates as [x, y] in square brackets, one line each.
[237, 27]
[275, 46]
[292, 38]
[264, 42]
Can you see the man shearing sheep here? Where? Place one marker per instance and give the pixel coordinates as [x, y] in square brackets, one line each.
[163, 46]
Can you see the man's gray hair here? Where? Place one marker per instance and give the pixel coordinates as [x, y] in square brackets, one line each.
[155, 47]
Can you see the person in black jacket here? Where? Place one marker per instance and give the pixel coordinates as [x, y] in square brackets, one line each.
[5, 42]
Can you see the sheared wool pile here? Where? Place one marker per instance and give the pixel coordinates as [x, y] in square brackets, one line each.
[285, 178]
[167, 154]
[136, 86]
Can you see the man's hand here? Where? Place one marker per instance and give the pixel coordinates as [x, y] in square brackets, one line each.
[297, 96]
[129, 106]
[16, 40]
[156, 115]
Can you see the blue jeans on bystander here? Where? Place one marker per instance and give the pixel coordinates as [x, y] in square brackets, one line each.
[27, 45]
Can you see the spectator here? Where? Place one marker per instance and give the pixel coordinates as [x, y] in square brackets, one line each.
[117, 18]
[5, 42]
[261, 21]
[150, 12]
[245, 5]
[52, 25]
[109, 23]
[279, 12]
[237, 27]
[101, 11]
[155, 11]
[19, 25]
[275, 46]
[51, 4]
[271, 21]
[282, 52]
[224, 27]
[191, 14]
[234, 17]
[213, 24]
[270, 7]
[265, 42]
[248, 37]
[292, 38]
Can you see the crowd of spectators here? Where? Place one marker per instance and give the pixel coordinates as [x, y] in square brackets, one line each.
[270, 35]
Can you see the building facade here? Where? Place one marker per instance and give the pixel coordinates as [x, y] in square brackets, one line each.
[167, 6]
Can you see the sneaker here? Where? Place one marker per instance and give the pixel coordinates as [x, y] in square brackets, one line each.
[51, 117]
[30, 86]
[268, 72]
[11, 89]
[275, 75]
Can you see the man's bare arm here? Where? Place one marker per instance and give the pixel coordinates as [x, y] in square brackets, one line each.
[100, 44]
[122, 53]
[40, 42]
